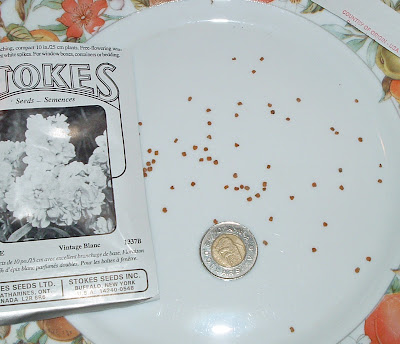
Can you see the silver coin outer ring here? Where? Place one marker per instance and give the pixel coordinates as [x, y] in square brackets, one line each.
[229, 228]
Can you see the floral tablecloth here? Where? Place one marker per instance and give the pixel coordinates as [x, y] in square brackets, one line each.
[77, 20]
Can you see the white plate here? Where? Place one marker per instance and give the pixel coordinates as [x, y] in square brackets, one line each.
[185, 50]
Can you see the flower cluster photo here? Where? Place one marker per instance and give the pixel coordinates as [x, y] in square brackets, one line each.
[55, 178]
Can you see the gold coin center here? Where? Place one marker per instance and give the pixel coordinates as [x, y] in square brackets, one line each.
[228, 250]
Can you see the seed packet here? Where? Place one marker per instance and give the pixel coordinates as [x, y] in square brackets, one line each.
[74, 229]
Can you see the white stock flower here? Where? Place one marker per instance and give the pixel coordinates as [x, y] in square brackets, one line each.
[102, 226]
[47, 141]
[99, 156]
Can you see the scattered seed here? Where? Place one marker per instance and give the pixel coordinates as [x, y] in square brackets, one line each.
[242, 186]
[235, 175]
[140, 123]
[368, 259]
[164, 210]
[205, 149]
[257, 195]
[336, 133]
[144, 169]
[340, 170]
[272, 112]
[226, 187]
[195, 147]
[190, 99]
[176, 140]
[288, 119]
[332, 128]
[292, 198]
[153, 161]
[209, 137]
[269, 105]
[192, 183]
[150, 169]
[236, 144]
[215, 162]
[239, 103]
[236, 188]
[148, 163]
[253, 71]
[201, 159]
[172, 187]
[264, 184]
[145, 174]
[249, 199]
[325, 224]
[236, 115]
[247, 188]
[360, 139]
[215, 221]
[268, 167]
[209, 158]
[380, 165]
[292, 329]
[261, 58]
[314, 249]
[341, 187]
[298, 100]
[149, 150]
[379, 180]
[156, 153]
[356, 100]
[233, 58]
[271, 218]
[265, 242]
[183, 153]
[264, 189]
[314, 185]
[208, 110]
[209, 122]
[357, 270]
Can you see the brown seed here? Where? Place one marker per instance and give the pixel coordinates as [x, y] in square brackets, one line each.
[183, 153]
[226, 187]
[292, 329]
[268, 167]
[209, 137]
[233, 58]
[208, 110]
[140, 123]
[249, 199]
[298, 100]
[236, 115]
[379, 180]
[176, 140]
[357, 270]
[239, 103]
[145, 174]
[172, 187]
[356, 100]
[332, 128]
[360, 139]
[340, 170]
[292, 198]
[144, 169]
[192, 183]
[314, 249]
[153, 161]
[201, 159]
[236, 145]
[380, 165]
[247, 188]
[150, 169]
[253, 71]
[235, 175]
[215, 221]
[164, 210]
[325, 224]
[209, 158]
[271, 218]
[236, 188]
[209, 122]
[314, 185]
[288, 119]
[264, 184]
[195, 147]
[269, 105]
[368, 259]
[336, 133]
[265, 242]
[149, 150]
[205, 149]
[242, 186]
[264, 189]
[261, 58]
[257, 195]
[272, 112]
[341, 187]
[215, 162]
[156, 153]
[190, 99]
[148, 163]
